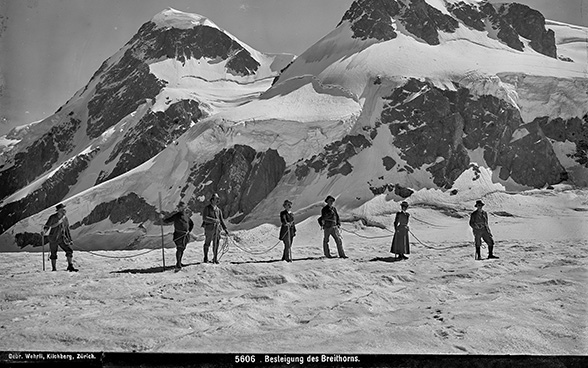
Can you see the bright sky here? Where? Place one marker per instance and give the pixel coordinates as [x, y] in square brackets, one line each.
[50, 48]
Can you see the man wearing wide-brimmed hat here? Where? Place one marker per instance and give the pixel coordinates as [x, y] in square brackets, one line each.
[59, 236]
[183, 225]
[212, 222]
[331, 223]
[479, 225]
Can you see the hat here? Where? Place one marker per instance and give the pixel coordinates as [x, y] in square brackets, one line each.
[214, 196]
[479, 203]
[329, 197]
[287, 202]
[404, 204]
[59, 206]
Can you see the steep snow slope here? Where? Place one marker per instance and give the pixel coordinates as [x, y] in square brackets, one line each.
[354, 117]
[152, 90]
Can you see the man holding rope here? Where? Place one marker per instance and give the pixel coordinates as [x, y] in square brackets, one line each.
[183, 225]
[59, 236]
[212, 221]
[330, 223]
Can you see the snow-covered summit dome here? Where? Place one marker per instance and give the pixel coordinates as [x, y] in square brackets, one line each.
[178, 19]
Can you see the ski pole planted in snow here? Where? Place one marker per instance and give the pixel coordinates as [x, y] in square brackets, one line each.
[43, 246]
[162, 244]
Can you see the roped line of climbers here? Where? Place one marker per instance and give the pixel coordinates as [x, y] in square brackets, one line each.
[213, 221]
[131, 256]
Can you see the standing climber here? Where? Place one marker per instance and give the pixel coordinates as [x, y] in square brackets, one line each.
[479, 225]
[330, 223]
[400, 244]
[287, 230]
[183, 225]
[212, 221]
[59, 235]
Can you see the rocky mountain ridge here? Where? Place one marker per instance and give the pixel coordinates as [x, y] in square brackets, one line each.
[113, 122]
[371, 109]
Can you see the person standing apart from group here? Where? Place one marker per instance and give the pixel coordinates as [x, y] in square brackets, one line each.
[59, 236]
[287, 230]
[400, 244]
[330, 223]
[479, 225]
[183, 225]
[212, 221]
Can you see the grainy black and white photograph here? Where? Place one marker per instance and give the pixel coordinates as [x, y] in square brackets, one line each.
[294, 180]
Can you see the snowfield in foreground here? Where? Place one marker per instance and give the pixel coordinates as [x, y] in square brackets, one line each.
[530, 301]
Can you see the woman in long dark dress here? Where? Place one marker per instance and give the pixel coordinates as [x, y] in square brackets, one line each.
[287, 230]
[400, 245]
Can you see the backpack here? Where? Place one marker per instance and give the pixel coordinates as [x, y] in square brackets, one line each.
[320, 221]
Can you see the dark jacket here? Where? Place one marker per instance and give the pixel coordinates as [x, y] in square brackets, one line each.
[288, 226]
[479, 220]
[182, 222]
[329, 217]
[59, 230]
[401, 220]
[209, 215]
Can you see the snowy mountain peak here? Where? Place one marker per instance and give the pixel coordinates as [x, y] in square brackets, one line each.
[173, 18]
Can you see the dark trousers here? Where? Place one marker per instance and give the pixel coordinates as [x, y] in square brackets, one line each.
[334, 232]
[181, 239]
[287, 256]
[211, 235]
[64, 245]
[483, 234]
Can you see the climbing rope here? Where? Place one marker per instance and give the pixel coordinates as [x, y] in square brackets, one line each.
[105, 256]
[425, 222]
[134, 255]
[234, 243]
[416, 238]
[363, 236]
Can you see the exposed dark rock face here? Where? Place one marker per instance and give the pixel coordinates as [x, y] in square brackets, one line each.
[372, 19]
[435, 127]
[130, 207]
[574, 130]
[39, 157]
[475, 16]
[424, 21]
[388, 162]
[196, 43]
[530, 24]
[120, 91]
[427, 128]
[151, 135]
[397, 189]
[334, 157]
[33, 239]
[471, 16]
[511, 21]
[241, 176]
[51, 192]
[131, 74]
[120, 88]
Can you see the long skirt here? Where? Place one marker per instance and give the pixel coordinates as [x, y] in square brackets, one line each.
[400, 243]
